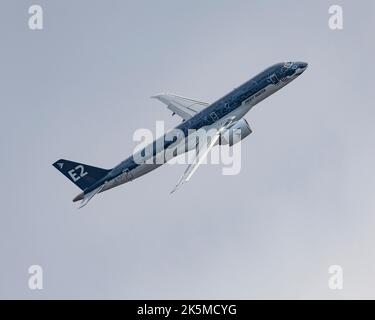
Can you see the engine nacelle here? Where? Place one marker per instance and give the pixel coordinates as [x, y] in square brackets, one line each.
[236, 133]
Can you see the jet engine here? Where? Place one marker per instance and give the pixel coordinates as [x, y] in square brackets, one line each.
[236, 133]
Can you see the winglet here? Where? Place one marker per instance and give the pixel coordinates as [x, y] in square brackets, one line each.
[178, 185]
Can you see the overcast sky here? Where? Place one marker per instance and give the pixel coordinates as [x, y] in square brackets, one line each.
[79, 88]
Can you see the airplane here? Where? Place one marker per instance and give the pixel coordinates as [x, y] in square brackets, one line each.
[225, 116]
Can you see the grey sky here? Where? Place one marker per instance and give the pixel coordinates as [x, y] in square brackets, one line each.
[78, 90]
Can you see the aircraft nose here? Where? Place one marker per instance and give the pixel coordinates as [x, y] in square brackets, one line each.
[301, 67]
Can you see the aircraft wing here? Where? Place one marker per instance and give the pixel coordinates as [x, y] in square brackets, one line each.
[200, 154]
[184, 107]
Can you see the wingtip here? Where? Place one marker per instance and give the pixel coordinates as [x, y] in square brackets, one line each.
[157, 96]
[175, 189]
[177, 186]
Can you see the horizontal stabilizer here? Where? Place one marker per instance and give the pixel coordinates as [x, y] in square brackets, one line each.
[87, 197]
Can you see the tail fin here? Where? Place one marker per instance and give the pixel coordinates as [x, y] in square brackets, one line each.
[80, 174]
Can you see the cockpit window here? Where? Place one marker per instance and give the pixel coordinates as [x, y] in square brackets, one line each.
[288, 64]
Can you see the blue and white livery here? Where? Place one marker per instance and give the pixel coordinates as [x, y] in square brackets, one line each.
[225, 115]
